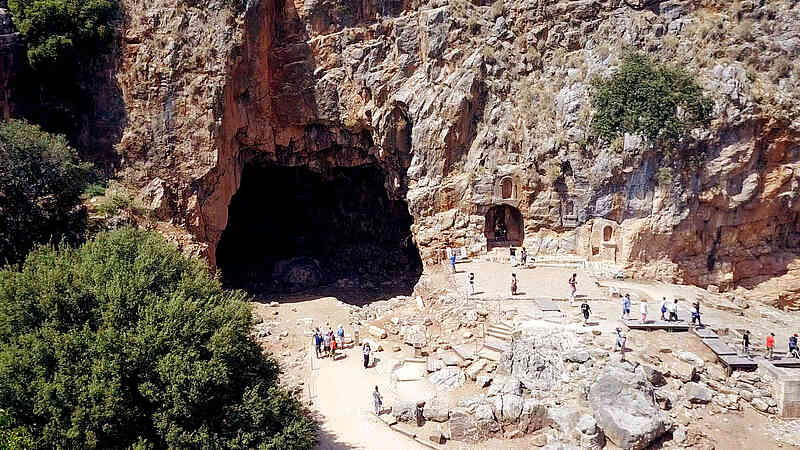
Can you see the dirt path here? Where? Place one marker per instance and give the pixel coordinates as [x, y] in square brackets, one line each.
[343, 398]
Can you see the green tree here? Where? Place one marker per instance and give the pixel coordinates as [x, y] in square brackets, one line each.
[41, 181]
[124, 342]
[656, 101]
[60, 32]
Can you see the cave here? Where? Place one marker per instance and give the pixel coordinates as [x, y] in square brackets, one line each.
[503, 227]
[291, 229]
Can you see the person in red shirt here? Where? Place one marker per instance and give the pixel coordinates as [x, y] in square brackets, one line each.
[770, 344]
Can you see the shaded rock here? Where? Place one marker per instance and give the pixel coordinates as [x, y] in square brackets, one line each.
[436, 410]
[697, 393]
[654, 376]
[483, 380]
[405, 411]
[625, 409]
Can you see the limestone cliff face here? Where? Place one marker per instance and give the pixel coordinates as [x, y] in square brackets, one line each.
[468, 107]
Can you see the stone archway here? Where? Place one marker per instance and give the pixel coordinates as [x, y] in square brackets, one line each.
[504, 227]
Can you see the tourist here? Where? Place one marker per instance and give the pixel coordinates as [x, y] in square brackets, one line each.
[673, 311]
[770, 345]
[643, 308]
[333, 348]
[585, 309]
[573, 286]
[513, 284]
[626, 306]
[340, 336]
[524, 257]
[793, 351]
[326, 343]
[746, 342]
[367, 350]
[471, 283]
[620, 344]
[356, 341]
[664, 308]
[317, 341]
[513, 252]
[696, 314]
[377, 401]
[453, 261]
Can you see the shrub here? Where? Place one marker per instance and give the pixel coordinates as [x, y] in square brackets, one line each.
[93, 190]
[124, 342]
[115, 200]
[60, 32]
[655, 101]
[41, 181]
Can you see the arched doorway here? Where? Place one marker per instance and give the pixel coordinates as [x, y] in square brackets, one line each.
[504, 227]
[507, 188]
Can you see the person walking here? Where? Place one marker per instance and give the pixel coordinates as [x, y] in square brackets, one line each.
[643, 309]
[746, 342]
[626, 306]
[326, 343]
[513, 284]
[377, 401]
[664, 308]
[696, 314]
[366, 350]
[340, 336]
[620, 343]
[770, 345]
[317, 342]
[585, 309]
[793, 350]
[513, 256]
[333, 348]
[453, 261]
[523, 257]
[573, 284]
[471, 283]
[673, 311]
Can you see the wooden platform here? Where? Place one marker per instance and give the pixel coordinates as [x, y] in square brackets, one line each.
[786, 362]
[738, 362]
[546, 304]
[706, 333]
[719, 347]
[635, 324]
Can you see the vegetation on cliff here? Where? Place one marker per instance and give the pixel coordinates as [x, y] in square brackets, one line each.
[41, 180]
[60, 33]
[656, 101]
[124, 342]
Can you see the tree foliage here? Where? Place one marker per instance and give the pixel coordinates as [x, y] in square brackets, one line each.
[41, 181]
[658, 102]
[60, 32]
[125, 343]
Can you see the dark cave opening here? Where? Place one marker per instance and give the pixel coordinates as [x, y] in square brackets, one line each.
[291, 229]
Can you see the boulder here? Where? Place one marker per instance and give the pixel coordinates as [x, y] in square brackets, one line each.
[580, 356]
[680, 371]
[591, 436]
[415, 335]
[697, 393]
[435, 364]
[405, 411]
[654, 376]
[691, 358]
[464, 426]
[509, 385]
[436, 410]
[760, 404]
[377, 332]
[483, 380]
[474, 368]
[448, 378]
[534, 416]
[625, 409]
[507, 407]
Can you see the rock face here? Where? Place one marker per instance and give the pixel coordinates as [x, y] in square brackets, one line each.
[471, 115]
[625, 409]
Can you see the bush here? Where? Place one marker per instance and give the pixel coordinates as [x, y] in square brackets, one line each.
[41, 181]
[93, 190]
[60, 32]
[126, 343]
[658, 102]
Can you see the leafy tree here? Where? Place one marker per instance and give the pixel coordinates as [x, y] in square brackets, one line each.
[41, 181]
[125, 342]
[60, 32]
[659, 102]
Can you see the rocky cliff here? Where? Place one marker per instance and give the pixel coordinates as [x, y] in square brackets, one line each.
[466, 107]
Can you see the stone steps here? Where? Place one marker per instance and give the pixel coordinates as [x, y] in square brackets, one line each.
[496, 344]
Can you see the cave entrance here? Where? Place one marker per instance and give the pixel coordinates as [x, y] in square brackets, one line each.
[291, 229]
[504, 227]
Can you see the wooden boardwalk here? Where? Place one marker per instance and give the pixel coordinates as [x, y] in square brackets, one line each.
[636, 324]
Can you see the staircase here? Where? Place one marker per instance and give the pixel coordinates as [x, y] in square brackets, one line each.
[498, 337]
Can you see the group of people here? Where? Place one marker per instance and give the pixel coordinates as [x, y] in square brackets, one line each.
[326, 343]
[794, 351]
[523, 256]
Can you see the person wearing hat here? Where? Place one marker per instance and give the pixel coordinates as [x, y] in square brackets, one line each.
[340, 336]
[793, 350]
[620, 344]
[770, 345]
